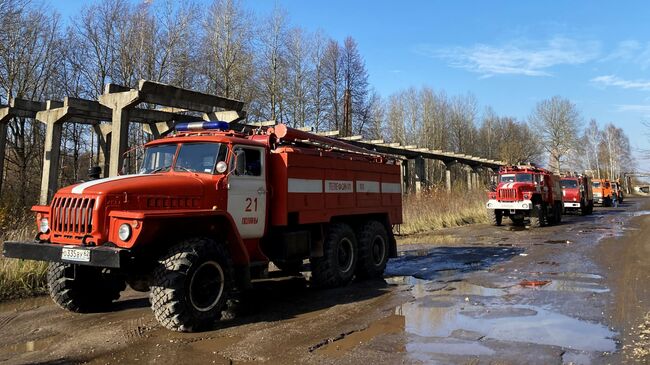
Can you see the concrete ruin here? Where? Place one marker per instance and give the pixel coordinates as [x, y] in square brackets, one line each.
[158, 106]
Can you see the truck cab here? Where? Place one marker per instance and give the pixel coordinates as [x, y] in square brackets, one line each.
[526, 192]
[577, 194]
[602, 189]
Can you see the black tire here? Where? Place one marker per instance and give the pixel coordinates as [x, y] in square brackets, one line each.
[584, 208]
[517, 221]
[558, 212]
[496, 217]
[538, 216]
[337, 265]
[83, 289]
[289, 267]
[590, 210]
[372, 239]
[191, 285]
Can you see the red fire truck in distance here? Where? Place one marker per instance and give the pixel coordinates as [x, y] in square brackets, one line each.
[577, 194]
[526, 192]
[208, 212]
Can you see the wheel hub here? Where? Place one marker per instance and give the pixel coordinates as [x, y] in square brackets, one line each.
[206, 286]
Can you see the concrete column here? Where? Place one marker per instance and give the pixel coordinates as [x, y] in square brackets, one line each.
[469, 180]
[420, 178]
[406, 183]
[3, 145]
[448, 180]
[103, 132]
[119, 142]
[49, 180]
[475, 180]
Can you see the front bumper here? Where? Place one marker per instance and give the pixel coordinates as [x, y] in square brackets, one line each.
[519, 205]
[571, 205]
[102, 256]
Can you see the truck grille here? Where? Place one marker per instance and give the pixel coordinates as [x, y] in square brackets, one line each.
[507, 194]
[72, 216]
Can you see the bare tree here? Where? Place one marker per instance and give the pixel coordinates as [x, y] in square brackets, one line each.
[355, 83]
[462, 117]
[334, 83]
[96, 37]
[228, 38]
[556, 120]
[316, 81]
[298, 73]
[32, 53]
[273, 64]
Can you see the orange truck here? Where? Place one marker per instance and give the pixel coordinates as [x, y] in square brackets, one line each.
[602, 189]
[209, 211]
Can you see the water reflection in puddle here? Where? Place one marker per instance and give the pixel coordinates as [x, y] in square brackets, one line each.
[442, 314]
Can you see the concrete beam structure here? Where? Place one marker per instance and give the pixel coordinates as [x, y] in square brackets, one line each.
[122, 102]
[91, 112]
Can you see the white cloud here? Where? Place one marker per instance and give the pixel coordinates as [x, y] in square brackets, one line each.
[517, 57]
[637, 108]
[631, 51]
[613, 80]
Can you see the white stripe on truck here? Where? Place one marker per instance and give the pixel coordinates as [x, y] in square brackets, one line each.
[341, 186]
[305, 186]
[391, 187]
[367, 186]
[79, 189]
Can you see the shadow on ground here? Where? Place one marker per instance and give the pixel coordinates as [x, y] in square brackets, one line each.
[430, 264]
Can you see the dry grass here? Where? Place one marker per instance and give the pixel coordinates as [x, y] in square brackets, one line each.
[19, 278]
[435, 210]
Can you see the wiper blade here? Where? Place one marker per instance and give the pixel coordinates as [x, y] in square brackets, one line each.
[160, 169]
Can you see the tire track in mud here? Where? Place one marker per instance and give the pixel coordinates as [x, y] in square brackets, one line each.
[6, 318]
[136, 329]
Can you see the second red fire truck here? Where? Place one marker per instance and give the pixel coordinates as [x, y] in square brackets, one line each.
[526, 192]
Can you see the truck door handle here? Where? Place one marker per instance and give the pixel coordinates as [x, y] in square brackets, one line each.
[261, 191]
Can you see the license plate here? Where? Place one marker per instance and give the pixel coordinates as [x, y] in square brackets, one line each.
[75, 254]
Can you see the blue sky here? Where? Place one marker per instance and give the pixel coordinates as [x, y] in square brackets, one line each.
[510, 54]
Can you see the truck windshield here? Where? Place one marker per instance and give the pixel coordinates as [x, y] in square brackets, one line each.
[509, 178]
[200, 157]
[192, 157]
[158, 158]
[569, 184]
[596, 184]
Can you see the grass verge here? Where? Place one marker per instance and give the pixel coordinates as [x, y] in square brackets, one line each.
[434, 210]
[20, 278]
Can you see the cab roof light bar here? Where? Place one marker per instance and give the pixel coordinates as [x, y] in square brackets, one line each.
[202, 126]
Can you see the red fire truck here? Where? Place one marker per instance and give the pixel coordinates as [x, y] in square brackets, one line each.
[526, 191]
[577, 194]
[208, 212]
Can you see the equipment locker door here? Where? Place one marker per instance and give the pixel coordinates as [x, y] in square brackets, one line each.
[247, 190]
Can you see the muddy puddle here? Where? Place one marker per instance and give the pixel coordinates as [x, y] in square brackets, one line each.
[450, 316]
[472, 320]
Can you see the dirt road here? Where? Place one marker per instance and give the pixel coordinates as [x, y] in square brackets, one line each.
[574, 293]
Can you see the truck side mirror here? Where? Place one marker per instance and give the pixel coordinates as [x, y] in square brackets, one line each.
[240, 162]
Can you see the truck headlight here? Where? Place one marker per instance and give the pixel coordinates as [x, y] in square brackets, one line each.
[124, 233]
[44, 225]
